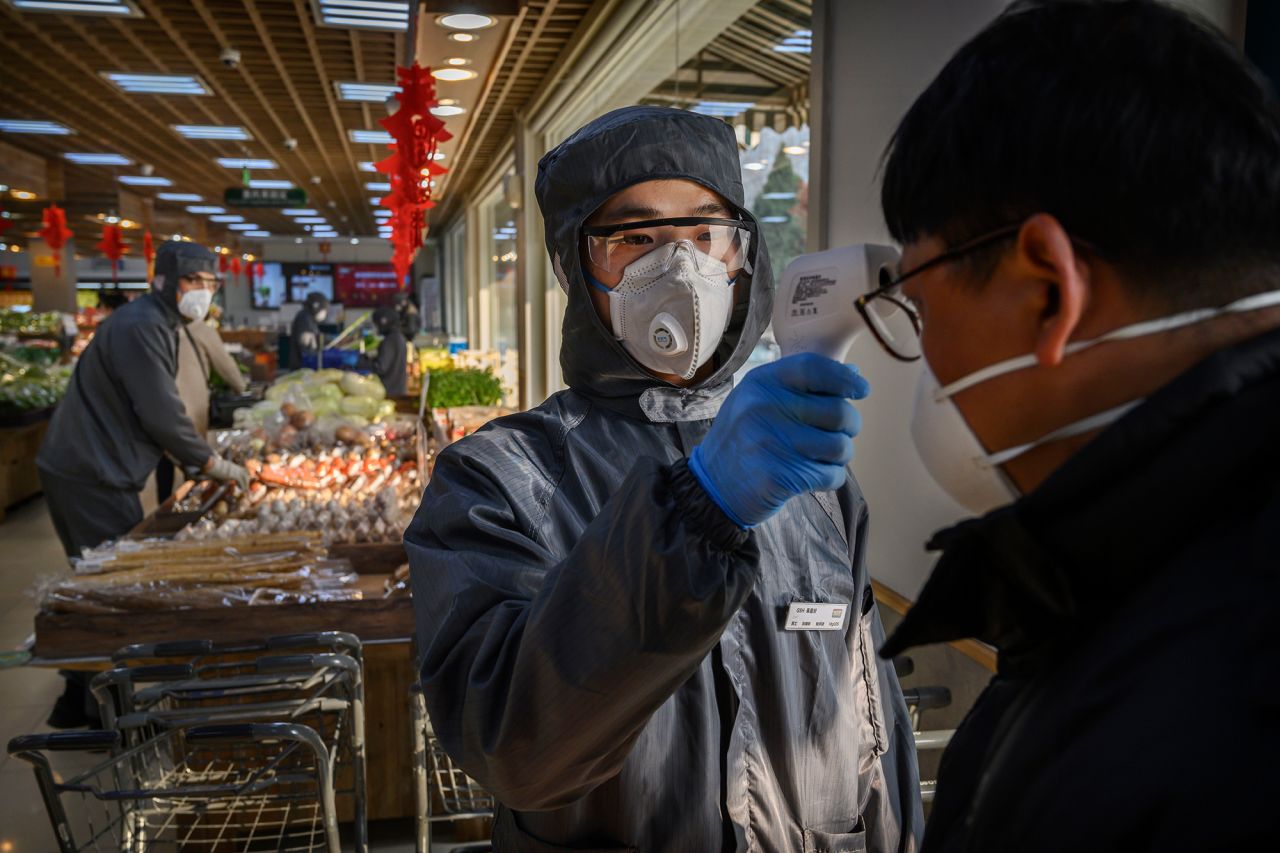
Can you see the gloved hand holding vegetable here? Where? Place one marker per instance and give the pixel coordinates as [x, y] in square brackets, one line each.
[786, 430]
[227, 471]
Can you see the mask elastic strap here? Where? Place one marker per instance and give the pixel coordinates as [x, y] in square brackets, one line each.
[591, 280]
[1078, 428]
[1256, 302]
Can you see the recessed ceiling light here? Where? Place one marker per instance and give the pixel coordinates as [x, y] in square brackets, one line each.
[457, 60]
[311, 220]
[463, 37]
[145, 181]
[355, 241]
[298, 211]
[366, 166]
[246, 163]
[178, 197]
[83, 159]
[365, 14]
[722, 109]
[23, 195]
[123, 8]
[255, 233]
[205, 208]
[754, 166]
[453, 75]
[226, 217]
[270, 185]
[374, 93]
[375, 201]
[157, 84]
[242, 226]
[372, 137]
[795, 149]
[378, 187]
[465, 21]
[446, 111]
[19, 125]
[212, 131]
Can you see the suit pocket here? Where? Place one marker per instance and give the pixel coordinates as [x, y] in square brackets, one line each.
[836, 842]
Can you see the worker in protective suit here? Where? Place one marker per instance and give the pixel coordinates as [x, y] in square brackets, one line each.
[122, 412]
[389, 364]
[304, 338]
[603, 585]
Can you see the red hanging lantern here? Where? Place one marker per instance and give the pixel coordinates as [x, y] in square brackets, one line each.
[417, 133]
[324, 246]
[235, 266]
[5, 223]
[112, 245]
[224, 264]
[149, 255]
[55, 234]
[259, 270]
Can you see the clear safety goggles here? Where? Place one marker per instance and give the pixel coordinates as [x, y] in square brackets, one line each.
[719, 242]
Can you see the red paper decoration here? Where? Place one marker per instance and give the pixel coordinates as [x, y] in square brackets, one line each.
[55, 234]
[235, 265]
[224, 264]
[5, 224]
[417, 133]
[149, 255]
[112, 245]
[259, 270]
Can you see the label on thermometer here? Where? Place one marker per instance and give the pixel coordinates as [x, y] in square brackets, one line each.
[815, 616]
[811, 289]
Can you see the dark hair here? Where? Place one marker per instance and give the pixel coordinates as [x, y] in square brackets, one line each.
[1141, 129]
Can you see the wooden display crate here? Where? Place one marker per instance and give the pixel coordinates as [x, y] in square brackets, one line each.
[19, 478]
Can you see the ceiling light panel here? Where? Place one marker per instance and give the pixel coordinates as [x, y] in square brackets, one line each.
[270, 185]
[311, 220]
[158, 84]
[246, 163]
[378, 187]
[83, 159]
[372, 137]
[178, 197]
[113, 8]
[242, 226]
[374, 93]
[723, 109]
[145, 181]
[800, 41]
[446, 110]
[227, 217]
[256, 234]
[465, 21]
[299, 211]
[367, 166]
[453, 75]
[205, 208]
[364, 14]
[18, 125]
[212, 131]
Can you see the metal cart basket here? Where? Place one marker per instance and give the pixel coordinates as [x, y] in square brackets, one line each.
[433, 769]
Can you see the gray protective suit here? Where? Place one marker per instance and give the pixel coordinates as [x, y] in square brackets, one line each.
[602, 648]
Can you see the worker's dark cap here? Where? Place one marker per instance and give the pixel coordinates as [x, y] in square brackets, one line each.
[176, 259]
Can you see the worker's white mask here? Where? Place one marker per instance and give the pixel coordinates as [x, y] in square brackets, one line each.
[194, 304]
[671, 308]
[954, 456]
[321, 314]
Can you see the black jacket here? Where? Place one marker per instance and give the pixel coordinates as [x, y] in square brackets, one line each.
[602, 648]
[389, 363]
[304, 321]
[122, 409]
[1134, 600]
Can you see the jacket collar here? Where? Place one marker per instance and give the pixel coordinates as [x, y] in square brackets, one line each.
[1198, 451]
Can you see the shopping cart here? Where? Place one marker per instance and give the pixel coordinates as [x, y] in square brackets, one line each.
[228, 684]
[461, 797]
[225, 787]
[919, 700]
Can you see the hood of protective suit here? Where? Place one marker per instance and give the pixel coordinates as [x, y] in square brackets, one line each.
[176, 260]
[621, 148]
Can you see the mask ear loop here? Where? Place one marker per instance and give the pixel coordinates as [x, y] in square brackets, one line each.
[1089, 424]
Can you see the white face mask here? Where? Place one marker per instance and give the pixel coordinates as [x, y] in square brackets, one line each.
[962, 466]
[672, 308]
[194, 304]
[321, 314]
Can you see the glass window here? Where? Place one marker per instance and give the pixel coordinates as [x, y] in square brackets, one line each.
[503, 308]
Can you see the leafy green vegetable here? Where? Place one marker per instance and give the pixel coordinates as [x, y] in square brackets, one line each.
[467, 386]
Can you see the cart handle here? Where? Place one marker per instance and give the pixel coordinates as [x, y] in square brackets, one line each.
[151, 672]
[926, 698]
[64, 741]
[336, 640]
[241, 732]
[167, 649]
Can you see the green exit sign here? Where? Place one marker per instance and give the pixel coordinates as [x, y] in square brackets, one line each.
[246, 197]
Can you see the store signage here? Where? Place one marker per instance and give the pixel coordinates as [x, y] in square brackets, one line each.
[248, 197]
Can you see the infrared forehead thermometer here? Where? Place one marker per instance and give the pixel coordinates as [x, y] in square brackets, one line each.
[814, 309]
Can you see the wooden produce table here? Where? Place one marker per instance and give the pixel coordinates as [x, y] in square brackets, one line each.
[19, 478]
[384, 625]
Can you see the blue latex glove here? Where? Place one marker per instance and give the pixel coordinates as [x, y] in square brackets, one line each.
[786, 430]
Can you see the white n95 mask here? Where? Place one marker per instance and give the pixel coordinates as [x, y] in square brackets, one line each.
[194, 304]
[671, 308]
[960, 464]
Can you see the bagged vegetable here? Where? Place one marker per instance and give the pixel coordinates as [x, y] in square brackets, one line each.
[355, 385]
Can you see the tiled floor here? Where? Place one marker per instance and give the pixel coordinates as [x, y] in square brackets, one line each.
[29, 550]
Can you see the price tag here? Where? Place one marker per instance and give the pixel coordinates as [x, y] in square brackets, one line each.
[815, 616]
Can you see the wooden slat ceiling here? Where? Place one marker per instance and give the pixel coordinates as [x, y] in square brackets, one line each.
[282, 89]
[741, 65]
[538, 36]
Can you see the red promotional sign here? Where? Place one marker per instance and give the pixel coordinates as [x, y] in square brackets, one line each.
[364, 285]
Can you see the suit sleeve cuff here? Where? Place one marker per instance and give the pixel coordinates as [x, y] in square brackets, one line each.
[700, 514]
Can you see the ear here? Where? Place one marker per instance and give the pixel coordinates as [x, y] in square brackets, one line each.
[1045, 252]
